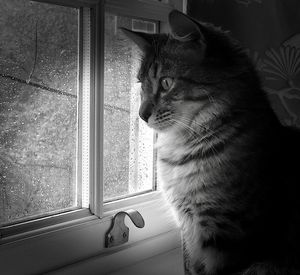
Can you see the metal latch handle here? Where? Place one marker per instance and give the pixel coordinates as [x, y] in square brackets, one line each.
[119, 232]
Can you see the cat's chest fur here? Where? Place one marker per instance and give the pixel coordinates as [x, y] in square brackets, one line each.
[192, 179]
[188, 187]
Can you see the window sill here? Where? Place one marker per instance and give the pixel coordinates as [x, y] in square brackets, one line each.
[42, 225]
[59, 246]
[127, 256]
[110, 208]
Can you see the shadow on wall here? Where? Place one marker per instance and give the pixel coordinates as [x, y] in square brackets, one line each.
[270, 30]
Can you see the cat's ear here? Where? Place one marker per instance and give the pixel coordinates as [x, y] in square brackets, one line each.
[142, 40]
[184, 28]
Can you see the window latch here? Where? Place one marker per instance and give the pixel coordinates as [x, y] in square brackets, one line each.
[119, 232]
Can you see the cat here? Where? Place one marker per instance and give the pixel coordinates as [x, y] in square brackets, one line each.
[228, 167]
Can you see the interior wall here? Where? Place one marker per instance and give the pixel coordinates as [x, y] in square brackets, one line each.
[270, 30]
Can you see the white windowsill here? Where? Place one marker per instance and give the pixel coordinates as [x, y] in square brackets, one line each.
[127, 257]
[63, 246]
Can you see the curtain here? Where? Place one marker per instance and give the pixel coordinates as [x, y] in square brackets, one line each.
[270, 31]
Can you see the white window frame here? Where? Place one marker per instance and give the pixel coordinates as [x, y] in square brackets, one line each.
[73, 242]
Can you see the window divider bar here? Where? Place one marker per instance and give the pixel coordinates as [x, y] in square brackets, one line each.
[79, 108]
[86, 96]
[97, 104]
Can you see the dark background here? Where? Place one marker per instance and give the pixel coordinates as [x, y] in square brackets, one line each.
[270, 31]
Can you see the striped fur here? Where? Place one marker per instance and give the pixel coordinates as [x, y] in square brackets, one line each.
[225, 161]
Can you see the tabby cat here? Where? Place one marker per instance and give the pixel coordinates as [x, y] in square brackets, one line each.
[227, 165]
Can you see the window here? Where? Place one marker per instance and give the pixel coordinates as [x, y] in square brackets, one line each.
[73, 150]
[128, 143]
[38, 83]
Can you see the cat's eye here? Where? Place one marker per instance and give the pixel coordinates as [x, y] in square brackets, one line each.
[166, 83]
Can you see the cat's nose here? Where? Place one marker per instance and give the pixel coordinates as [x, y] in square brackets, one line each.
[146, 111]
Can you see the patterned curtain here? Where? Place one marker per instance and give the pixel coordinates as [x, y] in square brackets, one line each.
[270, 30]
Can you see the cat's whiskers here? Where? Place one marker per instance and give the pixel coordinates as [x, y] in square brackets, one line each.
[184, 122]
[193, 121]
[192, 131]
[186, 127]
[209, 131]
[185, 134]
[203, 140]
[208, 143]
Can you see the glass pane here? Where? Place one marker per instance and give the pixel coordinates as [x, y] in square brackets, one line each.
[38, 109]
[128, 143]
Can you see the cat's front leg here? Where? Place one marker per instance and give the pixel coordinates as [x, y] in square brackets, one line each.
[191, 266]
[186, 257]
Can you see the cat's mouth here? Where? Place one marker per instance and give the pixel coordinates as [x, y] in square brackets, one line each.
[161, 121]
[161, 125]
[169, 120]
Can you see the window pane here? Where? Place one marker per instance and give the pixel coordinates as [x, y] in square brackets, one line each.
[38, 109]
[128, 143]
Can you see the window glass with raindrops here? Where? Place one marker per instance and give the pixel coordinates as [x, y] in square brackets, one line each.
[40, 112]
[38, 109]
[129, 154]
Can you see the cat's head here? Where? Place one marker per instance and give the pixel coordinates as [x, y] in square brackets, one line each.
[197, 69]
